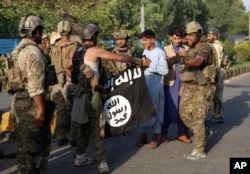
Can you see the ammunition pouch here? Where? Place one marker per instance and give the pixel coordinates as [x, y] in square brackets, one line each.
[210, 73]
[80, 90]
[224, 61]
[209, 92]
[50, 76]
[199, 78]
[186, 74]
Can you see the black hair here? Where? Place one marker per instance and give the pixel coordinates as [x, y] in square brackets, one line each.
[175, 30]
[148, 34]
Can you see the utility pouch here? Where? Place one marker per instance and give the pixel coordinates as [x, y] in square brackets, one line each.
[210, 73]
[93, 104]
[200, 78]
[185, 74]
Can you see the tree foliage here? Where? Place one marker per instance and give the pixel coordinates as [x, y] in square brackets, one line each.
[227, 15]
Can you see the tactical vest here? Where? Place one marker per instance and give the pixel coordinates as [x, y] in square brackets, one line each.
[58, 59]
[77, 61]
[11, 76]
[116, 67]
[204, 74]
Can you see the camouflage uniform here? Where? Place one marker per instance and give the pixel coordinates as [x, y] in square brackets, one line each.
[115, 67]
[198, 74]
[24, 109]
[94, 127]
[91, 119]
[60, 95]
[195, 100]
[216, 108]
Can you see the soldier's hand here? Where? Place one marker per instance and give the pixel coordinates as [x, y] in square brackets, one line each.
[182, 53]
[170, 61]
[39, 119]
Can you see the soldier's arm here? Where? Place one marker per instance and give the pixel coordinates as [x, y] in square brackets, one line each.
[201, 57]
[68, 67]
[194, 62]
[96, 52]
[40, 116]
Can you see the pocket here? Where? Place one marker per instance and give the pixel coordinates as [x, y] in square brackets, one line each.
[93, 105]
[181, 90]
[23, 105]
[210, 73]
[209, 93]
[186, 75]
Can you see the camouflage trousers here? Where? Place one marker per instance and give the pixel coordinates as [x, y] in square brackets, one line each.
[59, 95]
[216, 107]
[193, 108]
[94, 128]
[23, 110]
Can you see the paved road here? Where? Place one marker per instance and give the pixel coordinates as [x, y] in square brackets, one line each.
[230, 139]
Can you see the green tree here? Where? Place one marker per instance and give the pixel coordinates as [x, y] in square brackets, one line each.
[224, 14]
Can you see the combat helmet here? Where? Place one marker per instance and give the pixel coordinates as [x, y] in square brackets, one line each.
[89, 30]
[28, 24]
[45, 35]
[121, 34]
[54, 37]
[64, 27]
[193, 27]
[213, 31]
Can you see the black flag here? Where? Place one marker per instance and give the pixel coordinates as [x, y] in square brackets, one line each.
[128, 103]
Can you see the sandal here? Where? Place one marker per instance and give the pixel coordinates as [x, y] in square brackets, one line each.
[153, 144]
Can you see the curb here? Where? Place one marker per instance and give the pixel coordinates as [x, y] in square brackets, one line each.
[235, 71]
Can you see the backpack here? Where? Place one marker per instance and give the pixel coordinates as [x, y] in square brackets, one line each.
[210, 71]
[10, 75]
[77, 61]
[58, 59]
[225, 62]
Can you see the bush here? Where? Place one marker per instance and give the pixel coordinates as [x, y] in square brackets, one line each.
[243, 51]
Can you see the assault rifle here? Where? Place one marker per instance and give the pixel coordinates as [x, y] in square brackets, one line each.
[42, 137]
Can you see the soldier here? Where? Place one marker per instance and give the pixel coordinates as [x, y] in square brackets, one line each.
[62, 51]
[115, 67]
[45, 46]
[93, 118]
[216, 107]
[122, 47]
[45, 43]
[54, 37]
[28, 105]
[197, 88]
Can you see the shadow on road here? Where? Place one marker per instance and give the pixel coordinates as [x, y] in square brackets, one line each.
[233, 115]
